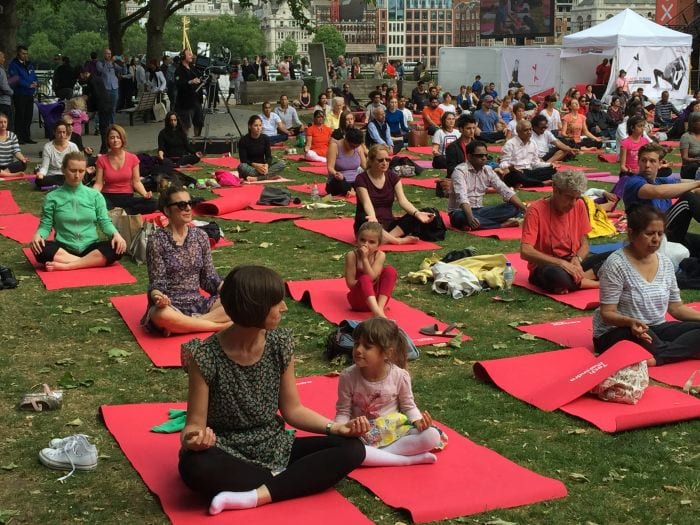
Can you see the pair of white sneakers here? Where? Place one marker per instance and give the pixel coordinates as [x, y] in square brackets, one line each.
[70, 453]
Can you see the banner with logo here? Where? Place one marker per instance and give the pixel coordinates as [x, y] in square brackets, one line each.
[656, 69]
[666, 10]
[537, 70]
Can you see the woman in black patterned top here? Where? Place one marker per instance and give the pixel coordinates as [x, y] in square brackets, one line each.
[234, 446]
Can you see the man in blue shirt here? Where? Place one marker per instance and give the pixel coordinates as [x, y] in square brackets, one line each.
[647, 188]
[108, 70]
[488, 122]
[477, 86]
[23, 80]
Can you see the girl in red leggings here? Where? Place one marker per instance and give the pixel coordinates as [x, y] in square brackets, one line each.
[369, 280]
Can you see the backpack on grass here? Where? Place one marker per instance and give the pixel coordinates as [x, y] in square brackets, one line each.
[340, 341]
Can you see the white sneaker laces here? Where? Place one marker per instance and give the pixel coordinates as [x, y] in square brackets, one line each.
[70, 447]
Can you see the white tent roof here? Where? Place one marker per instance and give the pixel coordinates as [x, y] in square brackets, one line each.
[627, 29]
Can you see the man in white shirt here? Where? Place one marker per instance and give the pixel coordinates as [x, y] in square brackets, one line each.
[272, 124]
[470, 180]
[376, 103]
[549, 147]
[289, 116]
[520, 161]
[407, 113]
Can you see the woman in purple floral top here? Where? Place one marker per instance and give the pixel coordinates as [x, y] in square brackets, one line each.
[179, 264]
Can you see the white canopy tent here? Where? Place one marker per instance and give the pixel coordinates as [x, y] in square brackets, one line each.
[654, 57]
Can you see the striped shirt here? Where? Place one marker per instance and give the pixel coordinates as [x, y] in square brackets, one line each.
[635, 297]
[8, 149]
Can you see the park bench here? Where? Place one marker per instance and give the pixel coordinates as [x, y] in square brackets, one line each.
[143, 107]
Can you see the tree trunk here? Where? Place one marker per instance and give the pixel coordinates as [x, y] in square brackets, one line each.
[155, 25]
[115, 29]
[8, 28]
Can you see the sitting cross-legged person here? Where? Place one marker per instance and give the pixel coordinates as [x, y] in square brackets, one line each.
[521, 162]
[179, 263]
[255, 154]
[554, 241]
[549, 147]
[73, 211]
[469, 183]
[272, 126]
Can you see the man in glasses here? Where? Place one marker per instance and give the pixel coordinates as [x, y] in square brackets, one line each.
[469, 183]
[520, 161]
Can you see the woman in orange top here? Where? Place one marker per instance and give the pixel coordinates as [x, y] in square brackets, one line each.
[317, 137]
[574, 131]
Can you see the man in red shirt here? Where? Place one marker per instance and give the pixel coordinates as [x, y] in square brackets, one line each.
[602, 72]
[432, 115]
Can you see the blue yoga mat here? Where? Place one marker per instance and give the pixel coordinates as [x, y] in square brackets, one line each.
[602, 248]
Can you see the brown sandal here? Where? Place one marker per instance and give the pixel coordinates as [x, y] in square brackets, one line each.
[39, 401]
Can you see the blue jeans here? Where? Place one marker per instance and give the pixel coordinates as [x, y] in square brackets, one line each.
[280, 137]
[114, 97]
[488, 216]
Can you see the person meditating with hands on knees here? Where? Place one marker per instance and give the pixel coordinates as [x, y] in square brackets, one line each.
[242, 390]
[638, 288]
[376, 189]
[73, 210]
[554, 241]
[179, 263]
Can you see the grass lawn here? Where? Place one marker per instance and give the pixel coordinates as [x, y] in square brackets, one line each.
[644, 476]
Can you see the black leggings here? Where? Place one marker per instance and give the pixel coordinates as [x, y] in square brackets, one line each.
[131, 204]
[337, 187]
[671, 342]
[315, 464]
[15, 166]
[678, 218]
[553, 279]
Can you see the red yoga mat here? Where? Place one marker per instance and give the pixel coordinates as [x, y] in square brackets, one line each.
[302, 158]
[423, 150]
[163, 351]
[581, 299]
[503, 234]
[573, 167]
[267, 181]
[406, 155]
[258, 216]
[328, 298]
[20, 227]
[611, 158]
[155, 456]
[224, 162]
[421, 183]
[494, 148]
[8, 206]
[612, 179]
[230, 200]
[103, 276]
[598, 174]
[435, 492]
[317, 170]
[306, 188]
[561, 379]
[578, 332]
[340, 229]
[9, 177]
[539, 189]
[188, 168]
[254, 193]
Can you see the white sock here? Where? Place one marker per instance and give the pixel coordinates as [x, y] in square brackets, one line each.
[233, 500]
[415, 442]
[379, 457]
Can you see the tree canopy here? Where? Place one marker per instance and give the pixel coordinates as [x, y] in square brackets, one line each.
[332, 41]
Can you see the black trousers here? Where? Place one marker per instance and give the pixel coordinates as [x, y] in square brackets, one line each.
[337, 187]
[553, 279]
[24, 110]
[670, 342]
[678, 218]
[315, 464]
[131, 204]
[529, 178]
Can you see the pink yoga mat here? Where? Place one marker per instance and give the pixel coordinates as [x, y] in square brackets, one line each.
[163, 351]
[581, 299]
[155, 456]
[340, 229]
[494, 148]
[20, 227]
[224, 162]
[302, 158]
[421, 183]
[612, 179]
[435, 492]
[328, 298]
[268, 181]
[599, 174]
[428, 164]
[562, 378]
[8, 206]
[317, 170]
[561, 167]
[406, 155]
[104, 276]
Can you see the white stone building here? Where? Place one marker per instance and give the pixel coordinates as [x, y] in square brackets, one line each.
[587, 13]
[277, 23]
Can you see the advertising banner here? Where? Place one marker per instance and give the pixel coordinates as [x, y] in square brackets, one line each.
[536, 70]
[656, 69]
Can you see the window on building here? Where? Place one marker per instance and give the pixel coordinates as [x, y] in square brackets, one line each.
[579, 21]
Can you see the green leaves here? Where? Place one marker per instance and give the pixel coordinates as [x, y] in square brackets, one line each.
[68, 382]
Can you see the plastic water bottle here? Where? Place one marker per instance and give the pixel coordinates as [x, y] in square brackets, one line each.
[315, 194]
[508, 276]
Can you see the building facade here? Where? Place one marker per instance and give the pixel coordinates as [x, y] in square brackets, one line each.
[357, 22]
[278, 24]
[587, 13]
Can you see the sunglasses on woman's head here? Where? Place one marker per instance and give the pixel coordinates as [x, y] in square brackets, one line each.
[183, 205]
